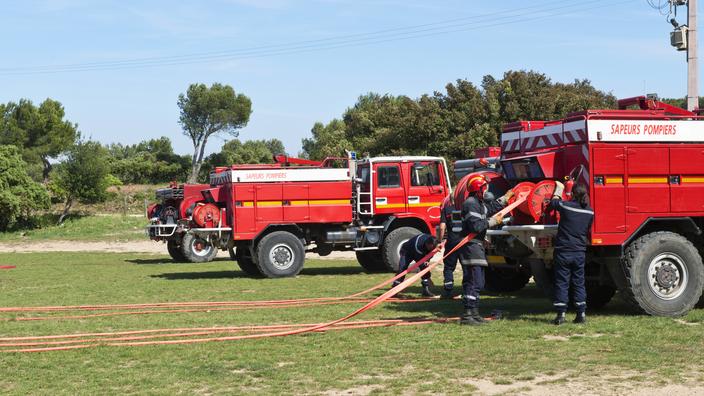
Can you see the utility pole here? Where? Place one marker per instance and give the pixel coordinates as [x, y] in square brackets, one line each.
[692, 65]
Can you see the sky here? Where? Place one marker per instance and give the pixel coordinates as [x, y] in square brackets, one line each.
[119, 66]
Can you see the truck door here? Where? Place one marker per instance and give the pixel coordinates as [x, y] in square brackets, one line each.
[609, 164]
[648, 179]
[389, 194]
[295, 202]
[244, 217]
[425, 188]
[687, 173]
[269, 203]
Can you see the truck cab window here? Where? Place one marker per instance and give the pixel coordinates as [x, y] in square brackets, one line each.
[388, 177]
[425, 174]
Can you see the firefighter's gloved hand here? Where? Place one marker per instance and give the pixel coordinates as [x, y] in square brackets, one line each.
[495, 220]
[504, 200]
[559, 188]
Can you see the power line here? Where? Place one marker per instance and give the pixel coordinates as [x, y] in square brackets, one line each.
[354, 40]
[664, 7]
[275, 46]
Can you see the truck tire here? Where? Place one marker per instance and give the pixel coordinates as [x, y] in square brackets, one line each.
[598, 295]
[371, 261]
[280, 254]
[196, 249]
[174, 248]
[390, 250]
[664, 274]
[505, 280]
[245, 262]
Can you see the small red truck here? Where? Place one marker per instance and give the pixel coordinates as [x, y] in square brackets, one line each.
[644, 167]
[269, 216]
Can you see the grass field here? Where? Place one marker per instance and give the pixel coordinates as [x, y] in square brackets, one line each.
[616, 347]
[109, 227]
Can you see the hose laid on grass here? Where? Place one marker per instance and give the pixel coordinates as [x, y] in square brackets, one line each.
[189, 332]
[90, 343]
[200, 304]
[293, 331]
[207, 309]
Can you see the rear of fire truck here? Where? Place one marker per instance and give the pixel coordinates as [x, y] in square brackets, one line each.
[179, 208]
[644, 169]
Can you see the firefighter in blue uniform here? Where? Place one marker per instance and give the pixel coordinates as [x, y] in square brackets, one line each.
[478, 215]
[450, 230]
[570, 250]
[415, 249]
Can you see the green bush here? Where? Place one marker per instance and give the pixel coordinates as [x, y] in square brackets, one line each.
[20, 196]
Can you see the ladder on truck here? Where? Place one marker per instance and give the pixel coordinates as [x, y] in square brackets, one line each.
[364, 200]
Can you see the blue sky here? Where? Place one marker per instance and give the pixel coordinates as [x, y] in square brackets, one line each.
[622, 46]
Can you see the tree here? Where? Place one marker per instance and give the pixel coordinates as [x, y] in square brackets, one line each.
[453, 123]
[84, 175]
[209, 111]
[20, 196]
[41, 132]
[682, 102]
[327, 141]
[150, 161]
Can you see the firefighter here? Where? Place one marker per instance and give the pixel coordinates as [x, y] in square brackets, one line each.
[570, 250]
[412, 250]
[476, 212]
[450, 228]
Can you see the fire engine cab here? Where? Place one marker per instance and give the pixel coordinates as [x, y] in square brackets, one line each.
[644, 168]
[269, 216]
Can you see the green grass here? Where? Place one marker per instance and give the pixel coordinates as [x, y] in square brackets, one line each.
[113, 228]
[428, 359]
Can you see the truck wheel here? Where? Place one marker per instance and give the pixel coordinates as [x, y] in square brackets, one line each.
[371, 261]
[245, 261]
[174, 248]
[505, 280]
[598, 295]
[280, 254]
[664, 273]
[391, 249]
[197, 250]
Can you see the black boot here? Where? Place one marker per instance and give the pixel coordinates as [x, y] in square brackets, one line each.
[479, 318]
[446, 294]
[468, 319]
[559, 319]
[426, 291]
[581, 318]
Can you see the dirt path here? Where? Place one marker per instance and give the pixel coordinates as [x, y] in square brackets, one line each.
[120, 247]
[607, 385]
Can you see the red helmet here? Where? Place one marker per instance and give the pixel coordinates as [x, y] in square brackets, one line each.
[477, 184]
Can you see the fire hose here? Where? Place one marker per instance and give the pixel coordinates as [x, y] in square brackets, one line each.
[277, 332]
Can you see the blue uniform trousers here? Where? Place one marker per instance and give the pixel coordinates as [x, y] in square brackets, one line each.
[569, 271]
[403, 264]
[472, 284]
[449, 265]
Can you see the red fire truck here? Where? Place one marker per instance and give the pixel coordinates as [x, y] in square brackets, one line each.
[269, 216]
[645, 171]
